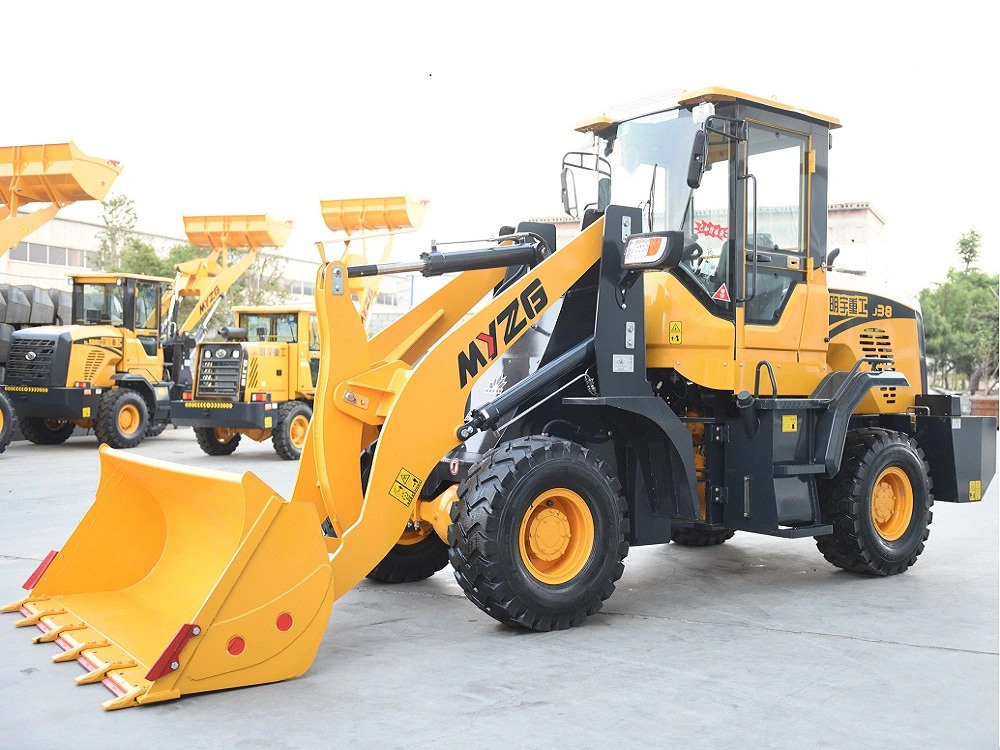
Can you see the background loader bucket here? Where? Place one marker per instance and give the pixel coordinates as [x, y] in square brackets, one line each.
[53, 173]
[182, 581]
[222, 232]
[373, 214]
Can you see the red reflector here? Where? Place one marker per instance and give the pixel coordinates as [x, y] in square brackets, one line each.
[187, 396]
[258, 397]
[40, 571]
[236, 645]
[284, 622]
[171, 655]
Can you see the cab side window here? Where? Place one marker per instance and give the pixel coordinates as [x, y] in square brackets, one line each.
[777, 160]
[313, 333]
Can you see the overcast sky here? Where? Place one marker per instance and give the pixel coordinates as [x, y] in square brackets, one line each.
[269, 107]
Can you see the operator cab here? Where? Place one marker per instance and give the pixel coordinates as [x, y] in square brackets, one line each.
[121, 300]
[744, 179]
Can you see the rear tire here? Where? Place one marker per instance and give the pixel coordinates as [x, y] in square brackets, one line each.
[415, 556]
[8, 419]
[879, 504]
[290, 432]
[539, 533]
[695, 537]
[156, 428]
[122, 418]
[42, 431]
[217, 441]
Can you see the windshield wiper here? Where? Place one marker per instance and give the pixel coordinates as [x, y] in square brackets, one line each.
[649, 202]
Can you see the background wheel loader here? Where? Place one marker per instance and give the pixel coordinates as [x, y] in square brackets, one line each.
[659, 403]
[260, 382]
[58, 174]
[119, 362]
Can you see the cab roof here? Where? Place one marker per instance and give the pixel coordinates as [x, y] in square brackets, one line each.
[104, 278]
[714, 94]
[268, 309]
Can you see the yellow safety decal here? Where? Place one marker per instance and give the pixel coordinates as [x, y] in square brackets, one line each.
[975, 490]
[406, 487]
[789, 423]
[85, 411]
[676, 332]
[25, 389]
[268, 422]
[207, 405]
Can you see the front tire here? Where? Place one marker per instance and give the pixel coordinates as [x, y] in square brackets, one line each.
[7, 421]
[539, 533]
[41, 431]
[290, 433]
[879, 504]
[217, 441]
[122, 418]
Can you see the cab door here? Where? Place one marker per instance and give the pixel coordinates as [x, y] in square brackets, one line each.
[782, 303]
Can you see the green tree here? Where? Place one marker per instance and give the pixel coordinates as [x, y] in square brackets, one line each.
[261, 284]
[962, 323]
[119, 219]
[968, 248]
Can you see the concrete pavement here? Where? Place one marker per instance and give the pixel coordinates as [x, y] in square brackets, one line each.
[758, 643]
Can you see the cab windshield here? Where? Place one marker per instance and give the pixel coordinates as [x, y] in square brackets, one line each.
[273, 327]
[98, 304]
[649, 158]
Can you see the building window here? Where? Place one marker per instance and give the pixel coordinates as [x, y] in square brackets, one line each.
[20, 252]
[38, 253]
[57, 256]
[74, 258]
[90, 261]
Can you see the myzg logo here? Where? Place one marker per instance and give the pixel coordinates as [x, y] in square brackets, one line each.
[532, 301]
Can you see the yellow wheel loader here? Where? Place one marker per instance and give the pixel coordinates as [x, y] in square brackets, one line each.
[259, 381]
[114, 369]
[702, 371]
[56, 174]
[264, 388]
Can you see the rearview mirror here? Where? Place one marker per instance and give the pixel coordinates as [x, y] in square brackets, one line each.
[569, 204]
[699, 158]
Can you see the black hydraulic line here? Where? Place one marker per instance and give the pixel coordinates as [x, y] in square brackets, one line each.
[574, 361]
[436, 263]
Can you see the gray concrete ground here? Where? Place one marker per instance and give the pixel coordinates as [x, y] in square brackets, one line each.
[758, 643]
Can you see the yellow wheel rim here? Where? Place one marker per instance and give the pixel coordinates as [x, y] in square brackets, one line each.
[223, 435]
[892, 503]
[297, 430]
[1, 422]
[556, 536]
[128, 419]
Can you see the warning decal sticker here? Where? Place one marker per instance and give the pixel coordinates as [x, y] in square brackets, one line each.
[406, 487]
[975, 490]
[676, 332]
[722, 294]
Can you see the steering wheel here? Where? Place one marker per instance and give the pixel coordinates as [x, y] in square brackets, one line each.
[692, 251]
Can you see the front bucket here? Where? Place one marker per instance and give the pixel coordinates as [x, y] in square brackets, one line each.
[54, 172]
[179, 582]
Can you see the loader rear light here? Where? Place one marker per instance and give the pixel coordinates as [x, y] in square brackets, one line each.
[187, 396]
[260, 396]
[81, 384]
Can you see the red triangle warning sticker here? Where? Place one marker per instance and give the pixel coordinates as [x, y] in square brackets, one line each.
[722, 294]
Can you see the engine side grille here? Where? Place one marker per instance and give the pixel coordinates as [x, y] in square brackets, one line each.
[35, 371]
[93, 365]
[219, 378]
[875, 342]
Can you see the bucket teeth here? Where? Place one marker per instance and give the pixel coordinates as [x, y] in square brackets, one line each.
[99, 673]
[74, 653]
[55, 633]
[34, 618]
[18, 605]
